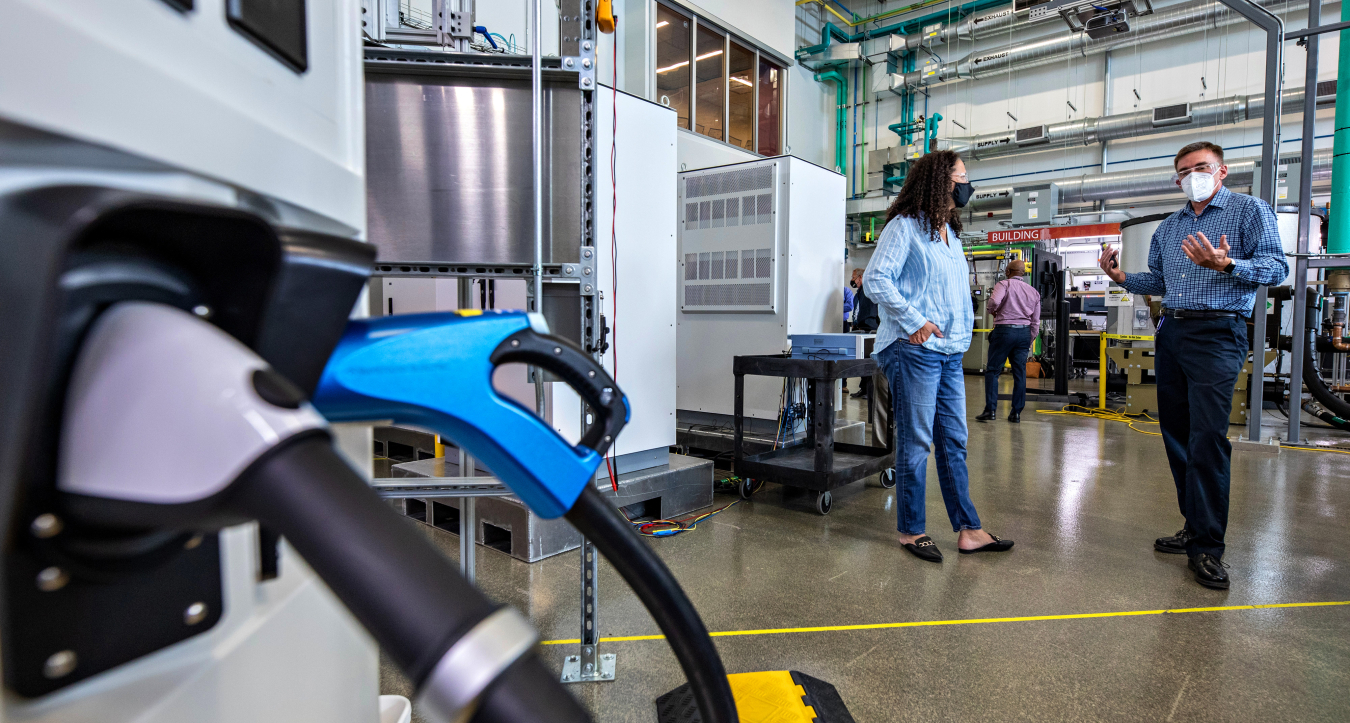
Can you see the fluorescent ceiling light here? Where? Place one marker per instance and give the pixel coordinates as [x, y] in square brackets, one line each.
[663, 23]
[680, 64]
[743, 81]
[708, 55]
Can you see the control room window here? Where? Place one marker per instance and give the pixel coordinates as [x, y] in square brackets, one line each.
[771, 79]
[673, 56]
[710, 82]
[741, 97]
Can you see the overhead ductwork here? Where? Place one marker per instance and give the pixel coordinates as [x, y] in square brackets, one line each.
[1167, 23]
[1135, 184]
[1165, 119]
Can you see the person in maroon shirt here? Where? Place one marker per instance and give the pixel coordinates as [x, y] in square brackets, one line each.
[1016, 306]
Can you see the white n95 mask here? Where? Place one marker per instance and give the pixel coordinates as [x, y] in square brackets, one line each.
[1198, 186]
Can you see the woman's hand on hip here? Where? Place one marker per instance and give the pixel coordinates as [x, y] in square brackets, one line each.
[928, 329]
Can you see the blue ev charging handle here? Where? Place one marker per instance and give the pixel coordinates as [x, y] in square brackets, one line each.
[435, 371]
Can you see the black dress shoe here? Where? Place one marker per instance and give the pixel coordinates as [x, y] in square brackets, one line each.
[1176, 544]
[987, 415]
[1015, 417]
[1210, 571]
[860, 394]
[998, 545]
[925, 549]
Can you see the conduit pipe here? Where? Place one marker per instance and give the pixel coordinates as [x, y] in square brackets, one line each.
[1171, 22]
[1086, 131]
[1135, 184]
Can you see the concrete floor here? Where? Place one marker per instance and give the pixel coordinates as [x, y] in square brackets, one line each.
[1083, 499]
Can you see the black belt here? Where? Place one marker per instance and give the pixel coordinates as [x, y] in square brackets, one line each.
[1014, 326]
[1198, 314]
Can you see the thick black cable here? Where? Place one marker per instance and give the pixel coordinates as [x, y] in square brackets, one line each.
[403, 591]
[656, 587]
[528, 691]
[1312, 377]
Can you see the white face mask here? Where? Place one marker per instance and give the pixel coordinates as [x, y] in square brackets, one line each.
[1198, 186]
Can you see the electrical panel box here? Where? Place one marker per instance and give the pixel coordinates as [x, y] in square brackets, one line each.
[1287, 180]
[754, 272]
[1035, 205]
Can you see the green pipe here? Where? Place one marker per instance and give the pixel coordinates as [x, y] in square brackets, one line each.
[1338, 241]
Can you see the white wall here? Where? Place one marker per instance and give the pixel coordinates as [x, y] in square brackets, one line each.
[768, 22]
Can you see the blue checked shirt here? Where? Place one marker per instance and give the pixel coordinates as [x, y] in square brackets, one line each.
[913, 279]
[1254, 241]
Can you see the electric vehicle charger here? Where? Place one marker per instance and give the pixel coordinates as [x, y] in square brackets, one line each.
[246, 445]
[401, 367]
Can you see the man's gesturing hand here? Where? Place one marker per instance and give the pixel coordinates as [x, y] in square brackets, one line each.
[1113, 272]
[928, 329]
[1203, 253]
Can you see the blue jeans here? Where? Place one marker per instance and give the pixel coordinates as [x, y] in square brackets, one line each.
[928, 404]
[1198, 361]
[1007, 342]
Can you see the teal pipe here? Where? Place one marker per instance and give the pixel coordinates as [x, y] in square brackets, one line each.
[907, 27]
[930, 130]
[1338, 241]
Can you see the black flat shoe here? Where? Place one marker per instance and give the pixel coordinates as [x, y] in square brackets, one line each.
[987, 416]
[1015, 417]
[924, 548]
[1176, 544]
[998, 545]
[1209, 571]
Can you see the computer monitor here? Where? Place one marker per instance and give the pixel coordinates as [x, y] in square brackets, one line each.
[1093, 304]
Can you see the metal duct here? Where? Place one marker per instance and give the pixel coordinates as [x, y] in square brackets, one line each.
[1086, 131]
[1134, 184]
[1169, 23]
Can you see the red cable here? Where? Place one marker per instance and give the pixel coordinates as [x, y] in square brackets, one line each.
[613, 239]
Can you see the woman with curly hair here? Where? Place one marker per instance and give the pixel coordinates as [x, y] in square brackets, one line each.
[919, 278]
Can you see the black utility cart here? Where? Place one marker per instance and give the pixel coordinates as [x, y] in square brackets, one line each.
[816, 463]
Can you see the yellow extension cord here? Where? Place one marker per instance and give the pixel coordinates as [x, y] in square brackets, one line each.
[1117, 415]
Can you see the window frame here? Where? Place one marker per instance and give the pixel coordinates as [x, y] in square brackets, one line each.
[728, 36]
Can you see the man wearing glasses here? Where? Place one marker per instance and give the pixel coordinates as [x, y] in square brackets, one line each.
[1201, 342]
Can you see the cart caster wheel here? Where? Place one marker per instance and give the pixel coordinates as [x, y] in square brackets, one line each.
[888, 478]
[746, 488]
[823, 502]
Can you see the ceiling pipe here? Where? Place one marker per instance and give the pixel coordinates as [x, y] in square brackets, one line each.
[1139, 183]
[1170, 22]
[1167, 119]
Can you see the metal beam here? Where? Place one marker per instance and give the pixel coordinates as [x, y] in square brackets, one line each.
[1297, 345]
[1270, 146]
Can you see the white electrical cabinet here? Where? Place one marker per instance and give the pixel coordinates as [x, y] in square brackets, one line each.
[761, 255]
[640, 252]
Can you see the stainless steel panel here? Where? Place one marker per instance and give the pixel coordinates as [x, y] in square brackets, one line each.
[448, 169]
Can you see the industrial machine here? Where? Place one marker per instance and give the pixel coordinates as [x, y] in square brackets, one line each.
[974, 359]
[761, 258]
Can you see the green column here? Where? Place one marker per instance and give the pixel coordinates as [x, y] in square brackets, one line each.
[1338, 241]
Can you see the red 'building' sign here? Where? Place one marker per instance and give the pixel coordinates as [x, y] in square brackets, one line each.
[1019, 234]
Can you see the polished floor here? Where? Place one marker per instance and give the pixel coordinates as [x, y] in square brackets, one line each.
[1083, 499]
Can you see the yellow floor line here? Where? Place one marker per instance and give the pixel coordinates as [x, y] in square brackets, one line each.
[970, 621]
